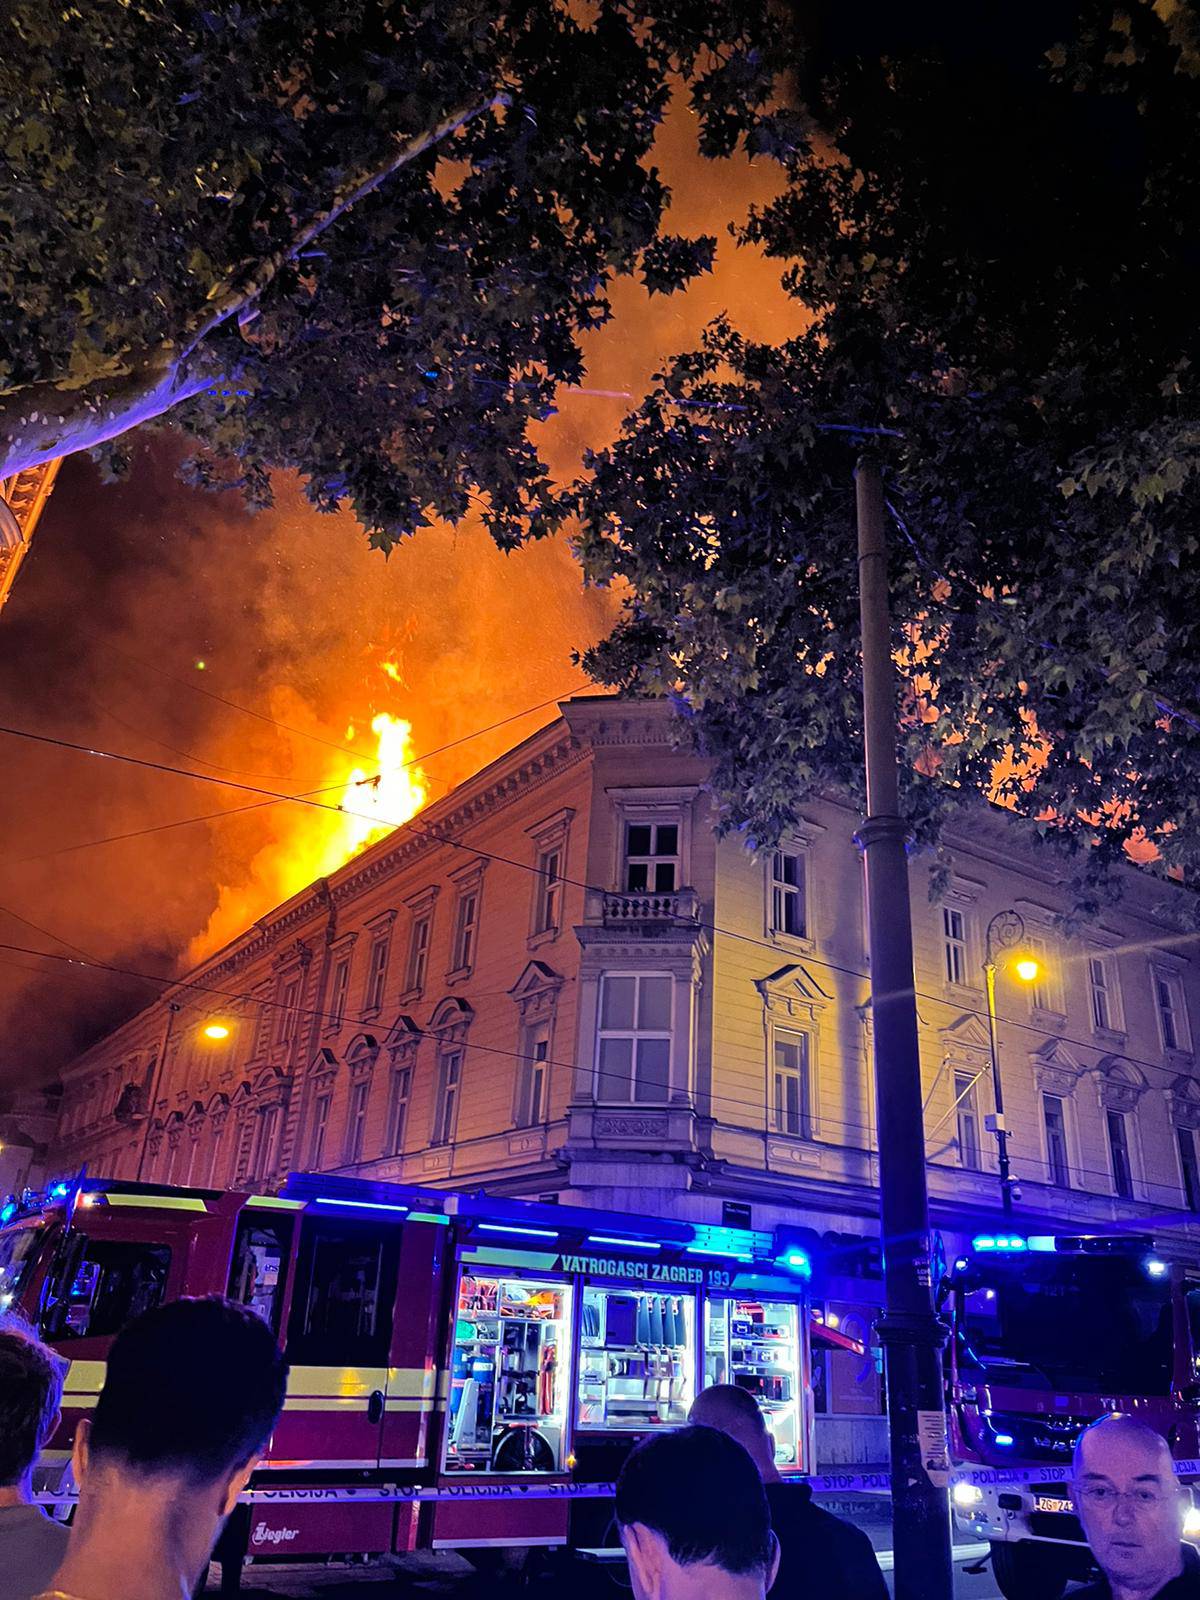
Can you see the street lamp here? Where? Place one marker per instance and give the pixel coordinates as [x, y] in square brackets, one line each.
[1005, 933]
[216, 1031]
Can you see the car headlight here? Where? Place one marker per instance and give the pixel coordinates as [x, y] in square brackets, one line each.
[967, 1494]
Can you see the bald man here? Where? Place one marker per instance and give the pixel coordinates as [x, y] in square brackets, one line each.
[819, 1555]
[1131, 1505]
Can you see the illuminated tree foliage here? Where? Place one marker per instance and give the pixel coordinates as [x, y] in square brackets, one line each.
[991, 214]
[359, 240]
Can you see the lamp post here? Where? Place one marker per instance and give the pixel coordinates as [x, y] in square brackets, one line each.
[1005, 932]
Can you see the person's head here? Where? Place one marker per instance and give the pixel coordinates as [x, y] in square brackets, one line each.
[31, 1380]
[191, 1394]
[1129, 1499]
[694, 1519]
[732, 1410]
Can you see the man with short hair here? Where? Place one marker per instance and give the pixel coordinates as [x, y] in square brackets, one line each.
[819, 1554]
[31, 1380]
[694, 1520]
[1131, 1505]
[192, 1392]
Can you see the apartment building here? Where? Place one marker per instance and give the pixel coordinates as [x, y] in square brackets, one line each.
[556, 982]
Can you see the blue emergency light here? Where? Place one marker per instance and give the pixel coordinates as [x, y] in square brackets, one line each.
[1011, 1242]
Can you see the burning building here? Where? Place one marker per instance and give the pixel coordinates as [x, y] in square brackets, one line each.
[556, 982]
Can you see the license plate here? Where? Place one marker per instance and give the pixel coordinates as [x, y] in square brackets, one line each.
[1051, 1502]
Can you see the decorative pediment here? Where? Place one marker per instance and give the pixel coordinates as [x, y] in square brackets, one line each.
[403, 1039]
[216, 1103]
[1183, 1102]
[792, 991]
[1121, 1084]
[194, 1115]
[324, 1064]
[362, 1054]
[965, 1038]
[1055, 1068]
[451, 1018]
[269, 1084]
[536, 991]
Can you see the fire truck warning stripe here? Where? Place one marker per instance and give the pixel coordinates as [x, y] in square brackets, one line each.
[350, 1382]
[352, 1403]
[84, 1378]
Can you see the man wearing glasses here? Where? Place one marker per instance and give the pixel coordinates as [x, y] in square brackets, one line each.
[1131, 1505]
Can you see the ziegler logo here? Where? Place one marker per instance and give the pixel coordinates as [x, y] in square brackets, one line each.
[264, 1535]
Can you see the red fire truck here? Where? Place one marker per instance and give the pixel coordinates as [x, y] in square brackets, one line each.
[1048, 1333]
[466, 1372]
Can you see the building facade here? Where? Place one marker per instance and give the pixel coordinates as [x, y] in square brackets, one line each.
[557, 983]
[22, 499]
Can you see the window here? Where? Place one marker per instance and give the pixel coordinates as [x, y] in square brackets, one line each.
[344, 1295]
[968, 1121]
[1189, 1167]
[954, 935]
[356, 1119]
[449, 1082]
[398, 1099]
[285, 1022]
[548, 891]
[634, 1060]
[264, 1141]
[418, 953]
[466, 927]
[1118, 1149]
[376, 974]
[316, 1148]
[1054, 1121]
[339, 989]
[1043, 995]
[259, 1266]
[103, 1284]
[791, 1084]
[1104, 1011]
[787, 894]
[1168, 1002]
[652, 857]
[532, 1077]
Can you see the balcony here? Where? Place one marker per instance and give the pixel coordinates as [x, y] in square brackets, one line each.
[643, 910]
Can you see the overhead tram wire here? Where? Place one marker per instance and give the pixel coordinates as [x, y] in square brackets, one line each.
[310, 1012]
[276, 799]
[524, 866]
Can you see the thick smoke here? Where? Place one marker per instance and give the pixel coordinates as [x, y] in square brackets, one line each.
[130, 587]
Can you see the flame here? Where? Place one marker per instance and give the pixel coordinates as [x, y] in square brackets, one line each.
[311, 843]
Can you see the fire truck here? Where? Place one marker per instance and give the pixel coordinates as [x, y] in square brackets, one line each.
[466, 1372]
[1049, 1332]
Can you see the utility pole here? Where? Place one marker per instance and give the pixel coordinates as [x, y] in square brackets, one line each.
[909, 1331]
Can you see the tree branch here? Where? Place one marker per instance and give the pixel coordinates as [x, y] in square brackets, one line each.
[42, 421]
[235, 297]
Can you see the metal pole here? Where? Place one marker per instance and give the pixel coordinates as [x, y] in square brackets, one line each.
[911, 1334]
[160, 1067]
[1001, 1132]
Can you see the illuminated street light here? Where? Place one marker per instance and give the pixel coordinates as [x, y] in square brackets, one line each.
[215, 1030]
[1005, 932]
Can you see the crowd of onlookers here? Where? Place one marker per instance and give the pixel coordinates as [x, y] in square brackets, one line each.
[193, 1389]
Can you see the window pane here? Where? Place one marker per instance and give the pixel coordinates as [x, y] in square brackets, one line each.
[637, 839]
[346, 1284]
[667, 841]
[653, 1069]
[664, 877]
[616, 1070]
[114, 1283]
[637, 877]
[616, 1003]
[654, 1004]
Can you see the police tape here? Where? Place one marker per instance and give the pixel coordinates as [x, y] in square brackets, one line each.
[403, 1493]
